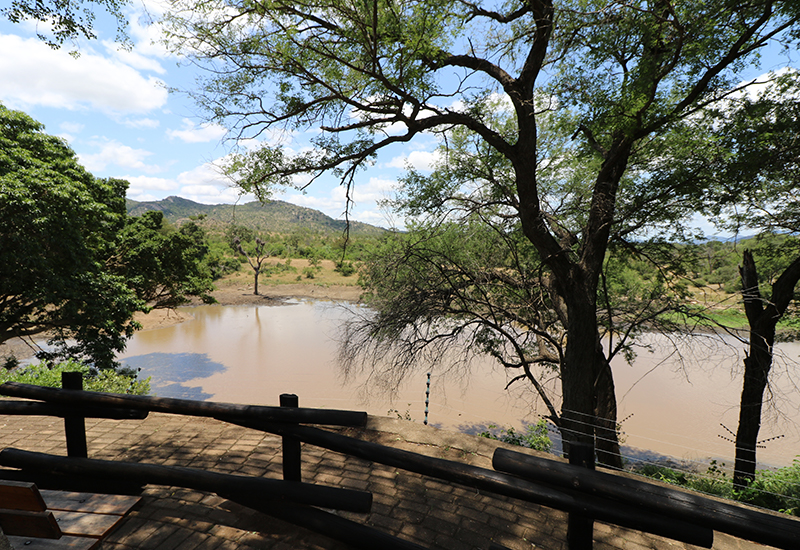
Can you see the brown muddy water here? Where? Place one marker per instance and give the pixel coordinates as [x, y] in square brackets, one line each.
[252, 354]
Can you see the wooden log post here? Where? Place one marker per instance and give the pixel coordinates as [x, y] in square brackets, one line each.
[580, 528]
[291, 444]
[238, 488]
[672, 504]
[74, 425]
[328, 417]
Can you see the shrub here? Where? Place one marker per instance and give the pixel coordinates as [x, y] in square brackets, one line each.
[106, 380]
[777, 490]
[535, 436]
[346, 269]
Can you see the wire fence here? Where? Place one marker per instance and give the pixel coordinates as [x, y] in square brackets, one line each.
[697, 459]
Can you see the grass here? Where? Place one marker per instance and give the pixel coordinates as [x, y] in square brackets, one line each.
[279, 271]
[777, 490]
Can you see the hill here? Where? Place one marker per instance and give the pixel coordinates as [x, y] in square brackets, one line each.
[272, 217]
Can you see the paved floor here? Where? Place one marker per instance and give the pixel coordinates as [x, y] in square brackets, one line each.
[428, 512]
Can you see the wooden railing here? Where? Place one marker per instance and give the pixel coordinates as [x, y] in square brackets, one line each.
[587, 495]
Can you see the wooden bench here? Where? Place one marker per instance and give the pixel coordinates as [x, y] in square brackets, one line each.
[35, 519]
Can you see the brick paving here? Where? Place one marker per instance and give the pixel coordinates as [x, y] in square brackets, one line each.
[429, 512]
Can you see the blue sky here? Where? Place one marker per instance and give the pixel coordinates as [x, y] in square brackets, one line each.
[114, 109]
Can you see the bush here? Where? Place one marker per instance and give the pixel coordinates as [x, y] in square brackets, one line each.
[777, 490]
[535, 436]
[106, 380]
[345, 268]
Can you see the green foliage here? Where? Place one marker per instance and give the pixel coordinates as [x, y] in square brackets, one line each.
[345, 268]
[662, 473]
[534, 437]
[59, 229]
[774, 489]
[72, 263]
[107, 380]
[536, 181]
[163, 265]
[66, 20]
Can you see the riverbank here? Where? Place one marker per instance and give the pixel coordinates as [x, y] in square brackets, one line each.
[234, 290]
[237, 290]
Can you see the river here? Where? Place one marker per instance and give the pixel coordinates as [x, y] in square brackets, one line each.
[252, 354]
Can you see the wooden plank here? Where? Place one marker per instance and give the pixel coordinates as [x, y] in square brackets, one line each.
[89, 502]
[83, 524]
[30, 524]
[64, 543]
[21, 495]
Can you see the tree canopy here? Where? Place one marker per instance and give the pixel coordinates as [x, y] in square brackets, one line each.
[609, 86]
[64, 20]
[72, 264]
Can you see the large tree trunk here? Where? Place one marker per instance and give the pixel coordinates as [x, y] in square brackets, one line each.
[756, 373]
[762, 316]
[606, 435]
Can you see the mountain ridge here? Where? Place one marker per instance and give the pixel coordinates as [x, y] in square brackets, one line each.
[273, 216]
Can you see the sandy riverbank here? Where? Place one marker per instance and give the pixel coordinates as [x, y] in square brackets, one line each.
[239, 295]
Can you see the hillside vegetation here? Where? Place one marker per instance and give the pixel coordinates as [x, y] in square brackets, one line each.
[270, 217]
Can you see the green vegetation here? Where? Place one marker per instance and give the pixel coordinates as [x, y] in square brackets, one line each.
[73, 264]
[60, 21]
[774, 489]
[534, 437]
[269, 217]
[105, 380]
[567, 128]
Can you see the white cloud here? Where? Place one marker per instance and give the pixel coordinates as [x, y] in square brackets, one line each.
[36, 75]
[198, 134]
[139, 184]
[212, 194]
[71, 127]
[144, 29]
[363, 197]
[206, 173]
[142, 123]
[206, 184]
[133, 58]
[114, 153]
[419, 160]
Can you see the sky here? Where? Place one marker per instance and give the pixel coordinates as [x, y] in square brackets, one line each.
[114, 109]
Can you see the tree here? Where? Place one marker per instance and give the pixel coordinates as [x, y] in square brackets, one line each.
[73, 266]
[624, 78]
[161, 264]
[59, 226]
[66, 19]
[256, 257]
[753, 165]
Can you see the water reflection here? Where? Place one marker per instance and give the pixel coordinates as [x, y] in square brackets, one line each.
[169, 372]
[252, 354]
